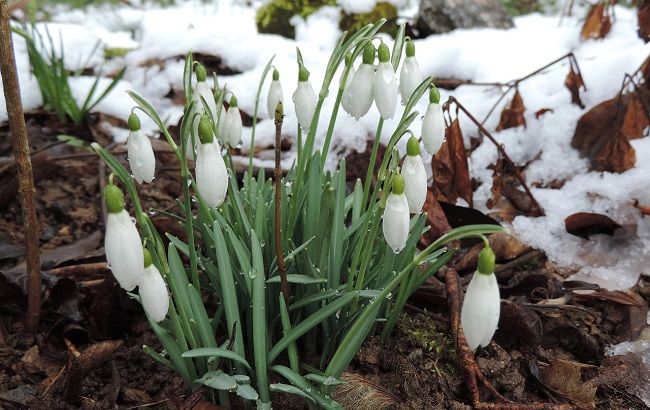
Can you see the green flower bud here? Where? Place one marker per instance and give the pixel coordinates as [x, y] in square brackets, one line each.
[134, 122]
[486, 261]
[201, 74]
[303, 73]
[205, 130]
[217, 94]
[398, 184]
[147, 257]
[233, 101]
[413, 147]
[114, 199]
[369, 53]
[410, 48]
[384, 53]
[276, 74]
[434, 95]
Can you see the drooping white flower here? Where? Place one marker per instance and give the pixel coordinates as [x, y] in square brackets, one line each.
[433, 124]
[153, 291]
[358, 95]
[482, 304]
[122, 242]
[410, 76]
[384, 84]
[304, 99]
[415, 177]
[396, 216]
[203, 94]
[210, 168]
[275, 94]
[140, 152]
[233, 128]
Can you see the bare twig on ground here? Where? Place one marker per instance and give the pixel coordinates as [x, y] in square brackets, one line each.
[284, 284]
[24, 165]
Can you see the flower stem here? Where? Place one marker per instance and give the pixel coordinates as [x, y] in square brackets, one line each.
[284, 284]
[373, 160]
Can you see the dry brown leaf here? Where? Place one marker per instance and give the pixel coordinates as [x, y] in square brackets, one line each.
[539, 113]
[585, 224]
[643, 14]
[513, 113]
[497, 182]
[636, 118]
[617, 155]
[574, 82]
[615, 296]
[438, 223]
[450, 170]
[563, 377]
[598, 22]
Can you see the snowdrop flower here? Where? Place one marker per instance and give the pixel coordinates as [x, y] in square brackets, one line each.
[275, 94]
[433, 124]
[480, 313]
[153, 291]
[410, 76]
[122, 241]
[415, 177]
[357, 98]
[304, 99]
[202, 92]
[221, 122]
[140, 153]
[233, 124]
[384, 85]
[396, 216]
[211, 174]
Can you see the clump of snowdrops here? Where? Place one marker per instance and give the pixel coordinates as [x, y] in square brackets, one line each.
[298, 273]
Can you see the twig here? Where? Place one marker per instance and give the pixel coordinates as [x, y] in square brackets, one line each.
[24, 165]
[537, 209]
[284, 284]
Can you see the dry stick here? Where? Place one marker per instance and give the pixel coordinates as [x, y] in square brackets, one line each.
[473, 373]
[24, 166]
[284, 284]
[537, 208]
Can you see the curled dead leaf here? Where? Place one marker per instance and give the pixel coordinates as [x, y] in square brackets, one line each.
[540, 112]
[497, 182]
[450, 170]
[585, 224]
[513, 113]
[436, 220]
[564, 377]
[598, 22]
[643, 15]
[574, 82]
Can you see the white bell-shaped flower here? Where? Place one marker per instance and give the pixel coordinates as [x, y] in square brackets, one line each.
[153, 291]
[482, 304]
[384, 84]
[433, 124]
[233, 128]
[304, 99]
[396, 216]
[210, 168]
[358, 95]
[140, 152]
[410, 76]
[275, 94]
[415, 177]
[122, 242]
[202, 93]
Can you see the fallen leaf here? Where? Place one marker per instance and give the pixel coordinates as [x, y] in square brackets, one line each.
[462, 216]
[585, 224]
[513, 114]
[497, 182]
[598, 22]
[563, 377]
[539, 113]
[518, 326]
[450, 170]
[436, 219]
[574, 82]
[636, 118]
[643, 14]
[615, 296]
[616, 156]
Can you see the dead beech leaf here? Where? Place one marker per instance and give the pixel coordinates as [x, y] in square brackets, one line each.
[497, 182]
[598, 22]
[450, 170]
[617, 155]
[636, 118]
[585, 224]
[615, 296]
[540, 112]
[513, 113]
[438, 223]
[563, 377]
[574, 82]
[643, 14]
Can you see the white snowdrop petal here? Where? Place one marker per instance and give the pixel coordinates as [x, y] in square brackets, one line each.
[409, 79]
[304, 100]
[358, 96]
[415, 182]
[203, 92]
[433, 128]
[153, 294]
[211, 174]
[233, 127]
[123, 248]
[385, 90]
[141, 156]
[396, 222]
[221, 126]
[480, 312]
[275, 96]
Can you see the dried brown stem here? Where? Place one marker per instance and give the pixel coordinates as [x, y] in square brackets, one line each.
[284, 283]
[537, 209]
[24, 166]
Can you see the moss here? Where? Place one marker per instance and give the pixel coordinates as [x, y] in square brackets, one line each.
[422, 332]
[353, 22]
[274, 16]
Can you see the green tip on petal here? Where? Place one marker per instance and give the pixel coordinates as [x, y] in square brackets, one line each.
[114, 199]
[434, 95]
[413, 147]
[398, 184]
[303, 74]
[486, 261]
[410, 48]
[147, 257]
[384, 53]
[279, 112]
[216, 94]
[369, 53]
[201, 74]
[233, 101]
[276, 74]
[134, 122]
[205, 130]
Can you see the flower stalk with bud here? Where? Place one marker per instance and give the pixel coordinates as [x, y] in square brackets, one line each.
[140, 152]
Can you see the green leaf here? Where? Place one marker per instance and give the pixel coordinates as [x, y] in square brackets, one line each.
[298, 381]
[217, 352]
[218, 380]
[296, 278]
[246, 392]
